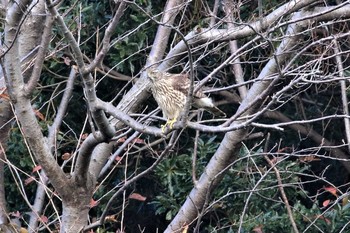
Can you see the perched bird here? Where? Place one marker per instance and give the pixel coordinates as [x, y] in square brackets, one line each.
[171, 90]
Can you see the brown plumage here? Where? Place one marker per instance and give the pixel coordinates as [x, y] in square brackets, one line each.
[171, 90]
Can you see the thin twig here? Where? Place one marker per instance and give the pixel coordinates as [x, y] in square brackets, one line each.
[280, 187]
[195, 154]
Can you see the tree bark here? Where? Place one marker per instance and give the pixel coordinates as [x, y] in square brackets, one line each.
[5, 119]
[75, 209]
[29, 38]
[3, 207]
[74, 194]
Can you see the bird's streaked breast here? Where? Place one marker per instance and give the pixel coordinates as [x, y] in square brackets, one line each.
[171, 101]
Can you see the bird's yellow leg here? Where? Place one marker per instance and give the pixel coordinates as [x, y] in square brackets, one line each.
[170, 123]
[163, 127]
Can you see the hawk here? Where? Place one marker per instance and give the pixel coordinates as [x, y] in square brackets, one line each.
[171, 90]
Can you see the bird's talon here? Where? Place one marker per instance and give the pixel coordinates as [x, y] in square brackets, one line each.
[171, 123]
[163, 127]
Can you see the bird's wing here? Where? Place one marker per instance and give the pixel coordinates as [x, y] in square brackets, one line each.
[181, 82]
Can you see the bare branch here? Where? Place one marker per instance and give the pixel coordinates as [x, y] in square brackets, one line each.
[89, 87]
[45, 40]
[336, 152]
[236, 66]
[126, 119]
[23, 108]
[230, 145]
[107, 37]
[343, 92]
[202, 35]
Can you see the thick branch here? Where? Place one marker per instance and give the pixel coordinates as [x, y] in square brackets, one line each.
[171, 10]
[30, 36]
[23, 109]
[45, 41]
[139, 92]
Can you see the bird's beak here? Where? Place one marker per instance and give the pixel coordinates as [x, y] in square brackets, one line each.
[151, 73]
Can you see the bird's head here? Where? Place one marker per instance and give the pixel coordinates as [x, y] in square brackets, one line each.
[153, 74]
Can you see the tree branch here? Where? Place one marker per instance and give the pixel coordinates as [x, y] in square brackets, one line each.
[203, 35]
[343, 91]
[316, 137]
[45, 41]
[61, 111]
[131, 181]
[89, 85]
[107, 37]
[126, 119]
[23, 109]
[283, 194]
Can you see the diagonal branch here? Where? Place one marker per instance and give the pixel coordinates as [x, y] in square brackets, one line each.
[107, 37]
[139, 91]
[61, 111]
[236, 66]
[283, 193]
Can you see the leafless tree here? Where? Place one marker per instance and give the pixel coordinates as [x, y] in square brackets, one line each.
[303, 45]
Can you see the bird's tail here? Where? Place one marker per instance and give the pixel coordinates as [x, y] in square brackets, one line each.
[208, 104]
[215, 111]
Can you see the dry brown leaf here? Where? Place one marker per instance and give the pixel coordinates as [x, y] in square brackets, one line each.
[36, 168]
[66, 156]
[29, 180]
[258, 229]
[331, 190]
[326, 203]
[137, 196]
[93, 203]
